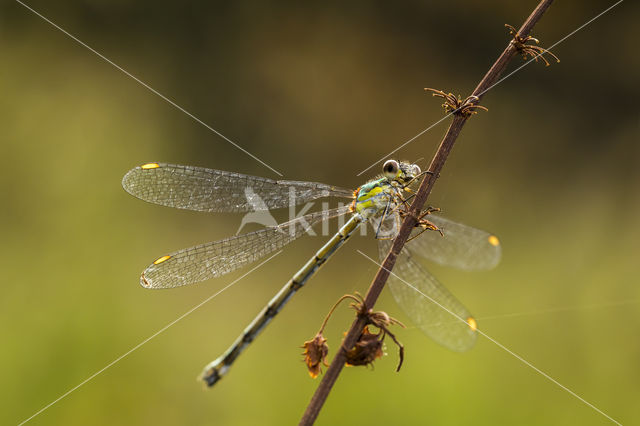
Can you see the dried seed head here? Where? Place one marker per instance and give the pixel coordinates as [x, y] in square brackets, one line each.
[315, 354]
[455, 105]
[526, 50]
[367, 349]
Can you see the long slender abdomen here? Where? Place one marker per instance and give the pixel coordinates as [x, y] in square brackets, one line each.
[218, 368]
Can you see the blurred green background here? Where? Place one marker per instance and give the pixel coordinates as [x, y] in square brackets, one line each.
[319, 92]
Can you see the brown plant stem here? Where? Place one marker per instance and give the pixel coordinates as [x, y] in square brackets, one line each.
[437, 163]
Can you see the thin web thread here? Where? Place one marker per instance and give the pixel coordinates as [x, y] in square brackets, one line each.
[151, 89]
[145, 341]
[275, 171]
[542, 311]
[501, 346]
[492, 86]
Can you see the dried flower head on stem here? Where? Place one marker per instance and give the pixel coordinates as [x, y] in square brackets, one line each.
[456, 105]
[529, 49]
[368, 347]
[316, 350]
[315, 354]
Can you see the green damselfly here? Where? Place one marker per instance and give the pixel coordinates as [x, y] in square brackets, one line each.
[380, 202]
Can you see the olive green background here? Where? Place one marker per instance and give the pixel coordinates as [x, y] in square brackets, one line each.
[319, 92]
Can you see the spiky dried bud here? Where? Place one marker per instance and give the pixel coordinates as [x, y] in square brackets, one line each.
[315, 354]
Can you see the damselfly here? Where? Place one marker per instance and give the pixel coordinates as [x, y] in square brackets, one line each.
[380, 201]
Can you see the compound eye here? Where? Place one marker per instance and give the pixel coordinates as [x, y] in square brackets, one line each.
[390, 169]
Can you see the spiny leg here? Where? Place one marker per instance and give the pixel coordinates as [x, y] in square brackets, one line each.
[424, 223]
[383, 217]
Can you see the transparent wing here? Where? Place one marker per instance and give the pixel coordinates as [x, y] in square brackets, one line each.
[217, 258]
[201, 189]
[416, 291]
[461, 246]
[387, 224]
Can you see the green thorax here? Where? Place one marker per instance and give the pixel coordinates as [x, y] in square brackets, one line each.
[373, 197]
